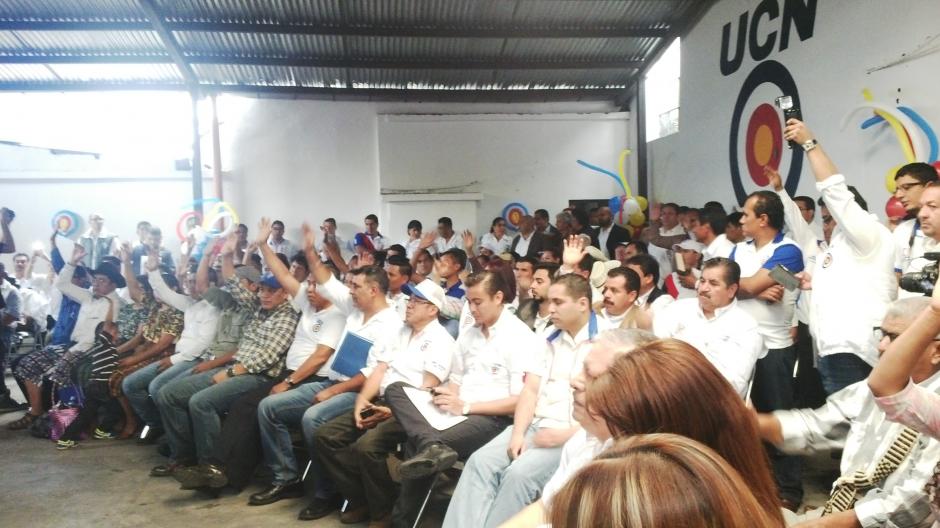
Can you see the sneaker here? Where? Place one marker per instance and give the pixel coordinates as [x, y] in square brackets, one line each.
[62, 445]
[103, 435]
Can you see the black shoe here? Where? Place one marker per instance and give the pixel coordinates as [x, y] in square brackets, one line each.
[430, 460]
[320, 508]
[201, 476]
[166, 470]
[8, 405]
[276, 492]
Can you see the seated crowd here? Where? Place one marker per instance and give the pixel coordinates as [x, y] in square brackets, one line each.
[581, 376]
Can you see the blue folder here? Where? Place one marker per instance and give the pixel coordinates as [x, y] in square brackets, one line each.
[352, 354]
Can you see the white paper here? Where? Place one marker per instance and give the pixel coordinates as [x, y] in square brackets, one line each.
[436, 418]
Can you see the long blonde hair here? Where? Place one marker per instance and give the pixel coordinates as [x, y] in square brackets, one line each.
[659, 480]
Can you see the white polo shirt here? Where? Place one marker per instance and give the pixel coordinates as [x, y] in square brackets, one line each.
[494, 367]
[720, 247]
[578, 452]
[410, 355]
[730, 340]
[323, 327]
[200, 320]
[563, 359]
[381, 327]
[773, 319]
[93, 309]
[399, 302]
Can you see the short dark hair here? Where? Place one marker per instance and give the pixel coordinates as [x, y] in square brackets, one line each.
[400, 262]
[769, 203]
[550, 267]
[631, 277]
[731, 271]
[397, 247]
[20, 255]
[713, 218]
[143, 223]
[491, 281]
[155, 231]
[459, 255]
[581, 216]
[675, 207]
[922, 172]
[646, 263]
[372, 217]
[380, 255]
[330, 220]
[806, 201]
[446, 221]
[415, 224]
[301, 260]
[641, 247]
[576, 286]
[734, 218]
[374, 274]
[283, 258]
[717, 206]
[528, 260]
[540, 213]
[587, 263]
[858, 199]
[277, 222]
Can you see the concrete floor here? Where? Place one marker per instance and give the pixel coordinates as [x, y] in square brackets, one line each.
[106, 483]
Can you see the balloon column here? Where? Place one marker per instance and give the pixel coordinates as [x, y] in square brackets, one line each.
[905, 123]
[627, 209]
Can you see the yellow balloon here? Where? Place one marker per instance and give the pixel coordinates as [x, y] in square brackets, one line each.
[890, 184]
[637, 219]
[642, 201]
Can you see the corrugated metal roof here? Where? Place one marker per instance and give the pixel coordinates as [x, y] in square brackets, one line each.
[449, 45]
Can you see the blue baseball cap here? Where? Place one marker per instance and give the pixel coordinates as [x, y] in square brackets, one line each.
[269, 280]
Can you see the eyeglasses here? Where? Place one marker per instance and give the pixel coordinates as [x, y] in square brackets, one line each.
[415, 300]
[881, 334]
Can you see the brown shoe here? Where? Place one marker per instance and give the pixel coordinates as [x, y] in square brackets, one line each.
[354, 514]
[25, 421]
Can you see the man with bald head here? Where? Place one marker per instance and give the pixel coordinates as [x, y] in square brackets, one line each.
[528, 243]
[609, 234]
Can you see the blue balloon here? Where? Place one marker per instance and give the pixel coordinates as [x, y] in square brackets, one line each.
[602, 171]
[928, 131]
[614, 204]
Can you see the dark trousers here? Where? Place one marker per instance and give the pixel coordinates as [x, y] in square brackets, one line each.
[773, 391]
[810, 393]
[464, 438]
[357, 460]
[97, 395]
[838, 371]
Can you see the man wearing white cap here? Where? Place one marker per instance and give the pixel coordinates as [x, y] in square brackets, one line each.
[772, 307]
[354, 447]
[680, 284]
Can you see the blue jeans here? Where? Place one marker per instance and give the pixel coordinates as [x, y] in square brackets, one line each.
[141, 388]
[278, 412]
[838, 371]
[197, 401]
[493, 488]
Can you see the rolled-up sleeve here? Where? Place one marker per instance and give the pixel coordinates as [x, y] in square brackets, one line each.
[915, 407]
[825, 428]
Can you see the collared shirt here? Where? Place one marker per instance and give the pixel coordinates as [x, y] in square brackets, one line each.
[578, 452]
[563, 359]
[381, 327]
[730, 340]
[399, 302]
[453, 300]
[909, 241]
[613, 321]
[200, 320]
[97, 246]
[443, 244]
[720, 247]
[603, 233]
[164, 320]
[543, 325]
[411, 354]
[268, 333]
[315, 328]
[493, 367]
[522, 246]
[93, 309]
[501, 244]
[774, 319]
[284, 247]
[657, 305]
[850, 420]
[411, 246]
[232, 321]
[853, 279]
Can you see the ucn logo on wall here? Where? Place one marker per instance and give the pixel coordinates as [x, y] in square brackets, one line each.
[756, 134]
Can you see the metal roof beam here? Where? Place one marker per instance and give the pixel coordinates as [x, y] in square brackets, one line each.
[455, 64]
[372, 94]
[173, 48]
[516, 32]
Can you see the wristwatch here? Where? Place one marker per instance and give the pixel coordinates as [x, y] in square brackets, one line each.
[230, 372]
[810, 145]
[466, 409]
[289, 381]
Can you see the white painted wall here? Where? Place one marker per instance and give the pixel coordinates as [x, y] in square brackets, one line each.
[852, 39]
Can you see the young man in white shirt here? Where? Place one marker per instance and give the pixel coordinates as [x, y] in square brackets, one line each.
[278, 243]
[369, 318]
[399, 274]
[494, 357]
[509, 472]
[651, 297]
[910, 182]
[354, 447]
[716, 325]
[413, 242]
[710, 231]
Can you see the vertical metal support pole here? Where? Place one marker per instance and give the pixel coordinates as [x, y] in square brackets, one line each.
[197, 157]
[216, 152]
[642, 175]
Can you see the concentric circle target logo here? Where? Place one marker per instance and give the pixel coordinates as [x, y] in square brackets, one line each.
[758, 140]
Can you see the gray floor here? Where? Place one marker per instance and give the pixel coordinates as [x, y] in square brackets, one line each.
[106, 482]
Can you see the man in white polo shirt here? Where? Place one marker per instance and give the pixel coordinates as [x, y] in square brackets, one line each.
[504, 476]
[370, 321]
[710, 230]
[494, 357]
[354, 447]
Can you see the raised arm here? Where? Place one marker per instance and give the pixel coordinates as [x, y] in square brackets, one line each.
[64, 282]
[321, 272]
[284, 277]
[227, 252]
[202, 272]
[163, 292]
[133, 287]
[7, 244]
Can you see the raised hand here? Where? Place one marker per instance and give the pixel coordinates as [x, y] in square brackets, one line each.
[427, 240]
[573, 252]
[153, 260]
[78, 253]
[774, 177]
[264, 231]
[126, 251]
[469, 241]
[228, 247]
[310, 236]
[797, 131]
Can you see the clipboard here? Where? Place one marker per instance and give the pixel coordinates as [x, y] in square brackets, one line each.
[351, 355]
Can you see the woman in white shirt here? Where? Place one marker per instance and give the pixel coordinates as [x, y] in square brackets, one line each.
[497, 237]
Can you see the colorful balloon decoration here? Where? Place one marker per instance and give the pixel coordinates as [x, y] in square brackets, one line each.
[894, 209]
[625, 207]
